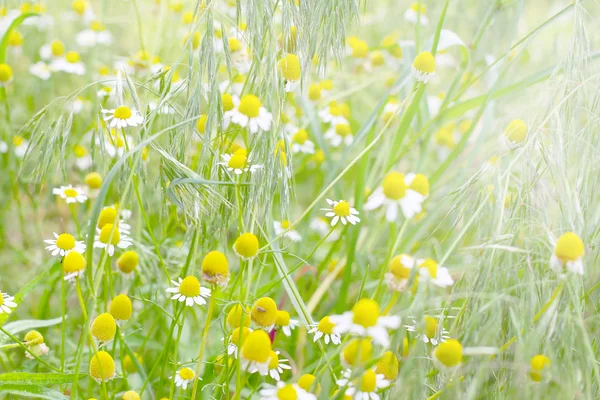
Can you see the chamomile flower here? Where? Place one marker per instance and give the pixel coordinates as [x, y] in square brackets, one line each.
[568, 253]
[131, 395]
[35, 344]
[333, 114]
[365, 319]
[96, 35]
[239, 162]
[238, 316]
[6, 303]
[246, 246]
[110, 237]
[399, 272]
[431, 332]
[64, 243]
[285, 323]
[325, 329]
[121, 308]
[184, 377]
[255, 353]
[104, 328]
[357, 352]
[128, 261]
[307, 382]
[41, 70]
[250, 113]
[277, 365]
[285, 391]
[102, 367]
[423, 67]
[83, 160]
[215, 268]
[430, 271]
[285, 228]
[365, 387]
[6, 74]
[122, 117]
[341, 211]
[515, 134]
[73, 265]
[538, 364]
[339, 133]
[448, 354]
[301, 143]
[290, 69]
[70, 194]
[264, 313]
[237, 339]
[71, 64]
[20, 146]
[190, 291]
[416, 13]
[388, 366]
[396, 191]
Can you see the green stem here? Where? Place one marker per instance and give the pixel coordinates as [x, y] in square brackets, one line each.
[211, 305]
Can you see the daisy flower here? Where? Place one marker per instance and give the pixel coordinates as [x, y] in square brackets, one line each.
[239, 162]
[237, 339]
[568, 253]
[365, 319]
[301, 142]
[364, 388]
[399, 272]
[20, 146]
[284, 227]
[73, 265]
[285, 323]
[35, 344]
[97, 34]
[285, 391]
[122, 117]
[289, 66]
[41, 70]
[264, 313]
[423, 67]
[184, 377]
[64, 243]
[189, 290]
[102, 367]
[515, 134]
[70, 194]
[110, 237]
[430, 271]
[255, 354]
[339, 133]
[396, 191]
[250, 113]
[538, 364]
[6, 303]
[416, 13]
[341, 211]
[432, 332]
[70, 63]
[325, 329]
[277, 365]
[448, 355]
[333, 114]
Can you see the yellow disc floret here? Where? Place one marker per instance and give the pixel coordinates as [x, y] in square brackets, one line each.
[397, 267]
[5, 73]
[64, 241]
[365, 313]
[431, 266]
[102, 367]
[326, 326]
[290, 67]
[238, 315]
[121, 308]
[93, 180]
[388, 366]
[282, 318]
[420, 184]
[357, 352]
[342, 209]
[108, 215]
[394, 186]
[110, 234]
[33, 338]
[449, 353]
[122, 112]
[189, 286]
[257, 347]
[516, 131]
[569, 247]
[215, 268]
[128, 261]
[368, 382]
[246, 245]
[264, 312]
[424, 62]
[104, 327]
[250, 106]
[73, 262]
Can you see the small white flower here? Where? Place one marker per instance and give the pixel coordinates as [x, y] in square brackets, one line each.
[184, 377]
[190, 291]
[339, 133]
[325, 329]
[341, 211]
[430, 271]
[275, 371]
[399, 273]
[284, 228]
[110, 237]
[363, 388]
[7, 303]
[70, 194]
[122, 117]
[91, 38]
[64, 243]
[412, 15]
[431, 332]
[394, 193]
[64, 64]
[41, 70]
[271, 392]
[238, 163]
[332, 115]
[249, 112]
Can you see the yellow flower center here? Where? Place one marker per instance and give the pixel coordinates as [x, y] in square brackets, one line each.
[57, 47]
[257, 347]
[186, 374]
[201, 124]
[285, 224]
[314, 92]
[343, 130]
[17, 140]
[290, 67]
[449, 353]
[335, 109]
[300, 137]
[234, 45]
[326, 326]
[397, 267]
[444, 136]
[15, 39]
[73, 262]
[108, 215]
[377, 59]
[415, 7]
[110, 235]
[121, 308]
[33, 338]
[102, 366]
[227, 101]
[326, 84]
[122, 112]
[569, 247]
[516, 131]
[188, 17]
[282, 318]
[190, 287]
[70, 192]
[424, 62]
[65, 241]
[360, 48]
[73, 57]
[237, 314]
[1, 299]
[215, 265]
[238, 160]
[420, 184]
[131, 395]
[342, 209]
[246, 245]
[365, 313]
[287, 393]
[5, 72]
[250, 106]
[79, 6]
[104, 327]
[368, 382]
[431, 266]
[264, 312]
[388, 366]
[538, 363]
[274, 360]
[235, 336]
[393, 186]
[93, 180]
[98, 26]
[431, 325]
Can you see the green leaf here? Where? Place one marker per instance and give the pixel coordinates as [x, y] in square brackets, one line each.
[31, 391]
[32, 378]
[25, 291]
[17, 21]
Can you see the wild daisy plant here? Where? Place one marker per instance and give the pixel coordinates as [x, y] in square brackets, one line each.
[298, 199]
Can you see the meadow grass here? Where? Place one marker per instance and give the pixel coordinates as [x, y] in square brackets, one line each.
[274, 199]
